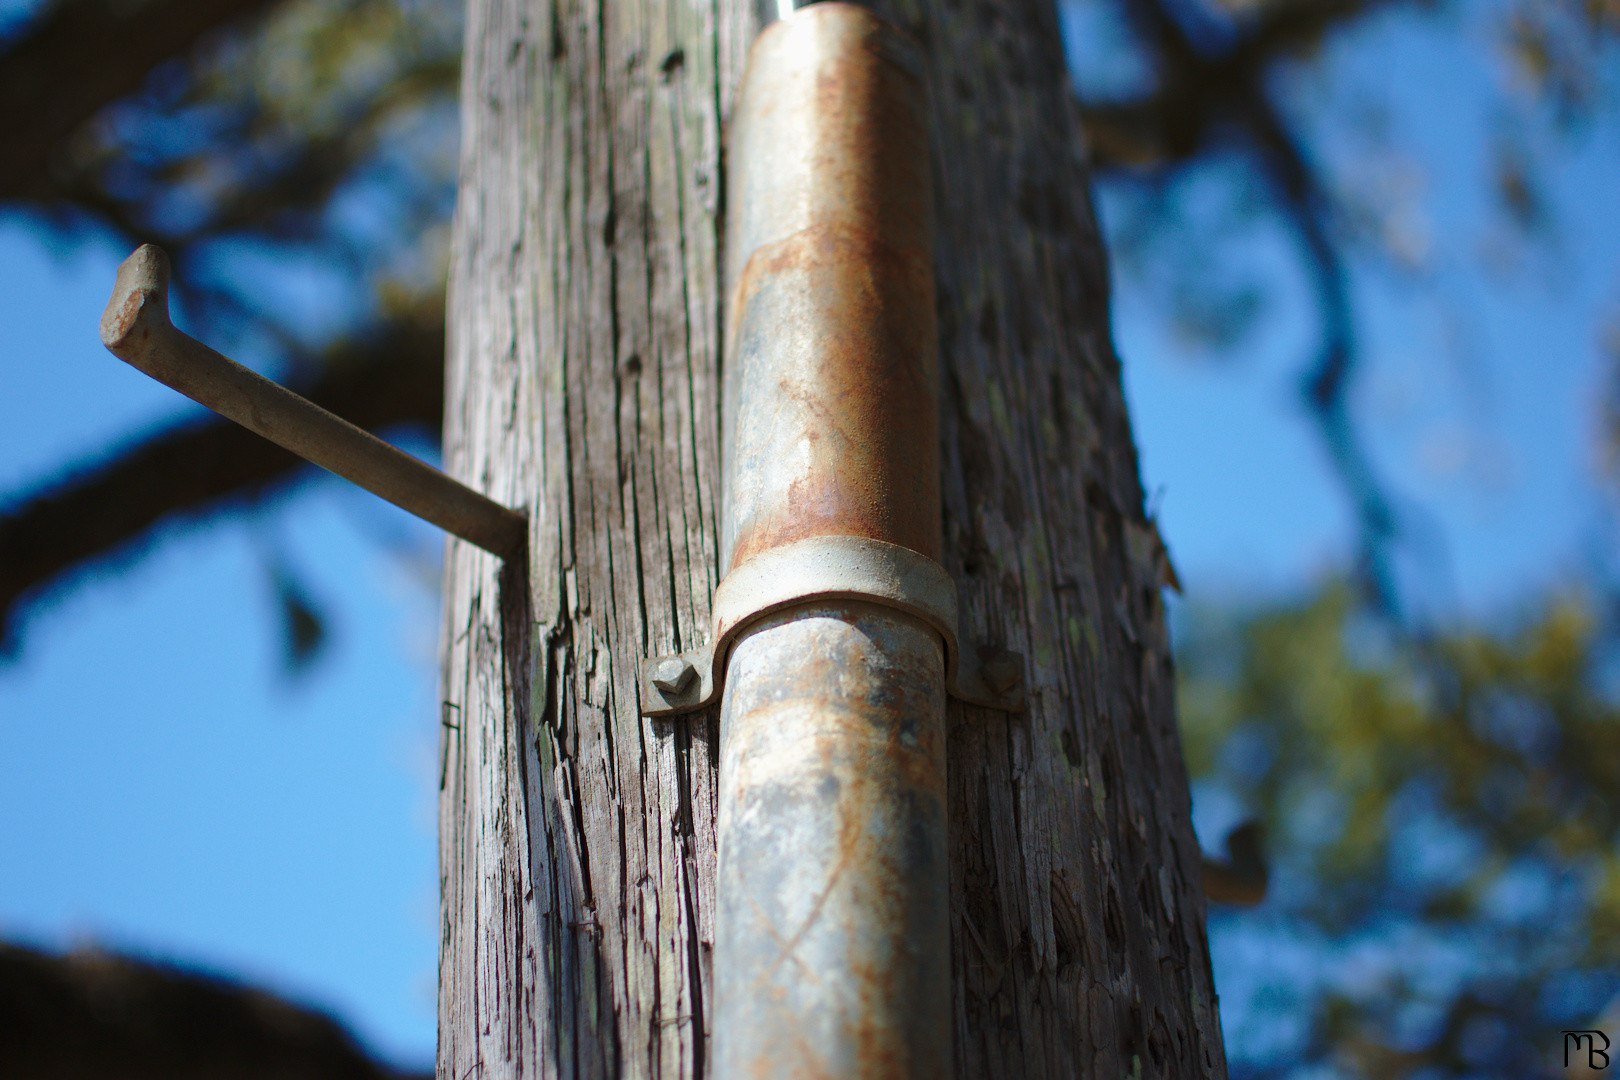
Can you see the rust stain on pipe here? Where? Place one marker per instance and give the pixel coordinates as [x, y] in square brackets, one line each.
[832, 411]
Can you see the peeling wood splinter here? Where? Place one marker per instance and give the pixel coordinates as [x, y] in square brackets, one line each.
[136, 329]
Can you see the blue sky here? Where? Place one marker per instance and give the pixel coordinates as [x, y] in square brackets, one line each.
[172, 791]
[1482, 366]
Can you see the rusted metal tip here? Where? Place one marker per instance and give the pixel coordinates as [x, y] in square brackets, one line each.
[141, 293]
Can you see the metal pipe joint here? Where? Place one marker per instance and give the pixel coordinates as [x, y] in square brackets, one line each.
[830, 415]
[835, 627]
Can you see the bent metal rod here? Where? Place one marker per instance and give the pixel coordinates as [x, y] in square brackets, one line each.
[136, 328]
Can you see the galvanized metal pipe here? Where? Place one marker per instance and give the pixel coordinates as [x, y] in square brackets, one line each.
[136, 328]
[831, 955]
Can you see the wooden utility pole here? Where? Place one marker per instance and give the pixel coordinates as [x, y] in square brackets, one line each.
[577, 837]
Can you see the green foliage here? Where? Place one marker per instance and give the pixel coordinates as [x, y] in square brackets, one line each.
[1461, 791]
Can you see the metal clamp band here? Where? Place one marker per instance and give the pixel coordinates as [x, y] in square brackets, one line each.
[831, 568]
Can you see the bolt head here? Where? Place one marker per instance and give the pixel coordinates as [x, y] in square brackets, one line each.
[1001, 673]
[672, 674]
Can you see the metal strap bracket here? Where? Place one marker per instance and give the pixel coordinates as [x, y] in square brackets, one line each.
[831, 568]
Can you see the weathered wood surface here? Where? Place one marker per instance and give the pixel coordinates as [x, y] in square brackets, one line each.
[577, 839]
[1079, 942]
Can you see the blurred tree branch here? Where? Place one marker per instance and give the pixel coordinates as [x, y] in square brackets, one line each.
[1210, 95]
[64, 528]
[268, 116]
[93, 1015]
[81, 56]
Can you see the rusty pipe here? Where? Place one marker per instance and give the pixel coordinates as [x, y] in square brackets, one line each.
[136, 329]
[830, 412]
[831, 951]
